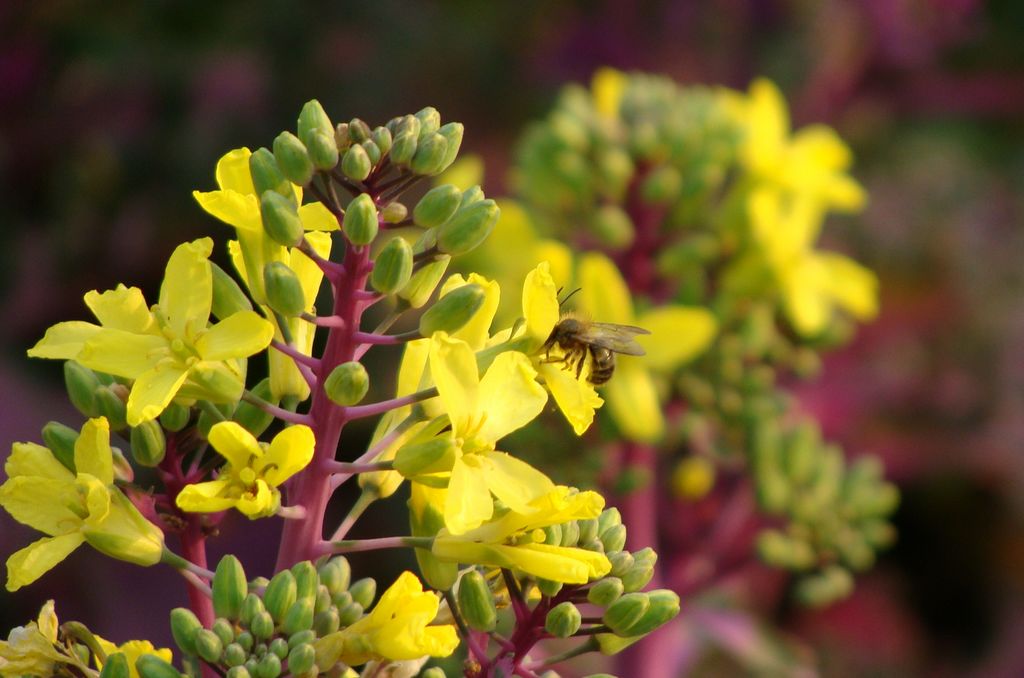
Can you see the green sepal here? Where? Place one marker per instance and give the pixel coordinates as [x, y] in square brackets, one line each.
[280, 219]
[403, 148]
[625, 612]
[382, 139]
[112, 406]
[116, 666]
[430, 154]
[336, 574]
[81, 384]
[267, 176]
[312, 119]
[364, 591]
[151, 666]
[663, 606]
[476, 602]
[432, 456]
[253, 418]
[284, 289]
[358, 130]
[347, 384]
[323, 151]
[361, 220]
[229, 587]
[301, 659]
[149, 445]
[423, 282]
[299, 616]
[392, 267]
[563, 620]
[269, 666]
[452, 133]
[437, 206]
[293, 158]
[209, 646]
[394, 212]
[355, 164]
[306, 579]
[60, 440]
[228, 297]
[614, 538]
[280, 593]
[429, 119]
[469, 227]
[452, 311]
[606, 591]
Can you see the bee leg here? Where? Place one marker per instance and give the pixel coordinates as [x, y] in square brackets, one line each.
[579, 363]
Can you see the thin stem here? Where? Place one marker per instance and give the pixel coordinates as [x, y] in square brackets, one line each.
[332, 269]
[360, 545]
[343, 181]
[295, 354]
[197, 582]
[292, 512]
[366, 498]
[515, 594]
[400, 188]
[349, 468]
[211, 410]
[388, 339]
[383, 406]
[331, 203]
[589, 645]
[279, 412]
[323, 321]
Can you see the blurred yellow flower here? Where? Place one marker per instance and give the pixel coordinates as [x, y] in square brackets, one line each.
[29, 650]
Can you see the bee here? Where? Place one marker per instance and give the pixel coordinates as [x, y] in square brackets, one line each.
[578, 337]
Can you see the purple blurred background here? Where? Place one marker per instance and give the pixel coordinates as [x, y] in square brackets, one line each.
[110, 115]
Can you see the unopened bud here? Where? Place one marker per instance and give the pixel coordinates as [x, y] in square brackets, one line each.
[422, 283]
[452, 311]
[326, 621]
[608, 518]
[336, 574]
[433, 672]
[116, 666]
[245, 640]
[549, 587]
[570, 534]
[284, 289]
[293, 159]
[313, 118]
[251, 606]
[112, 405]
[267, 176]
[151, 666]
[208, 646]
[184, 627]
[280, 219]
[253, 418]
[476, 602]
[614, 227]
[81, 384]
[323, 598]
[372, 151]
[452, 133]
[828, 586]
[563, 620]
[605, 592]
[622, 562]
[148, 443]
[469, 227]
[430, 120]
[625, 612]
[301, 659]
[663, 606]
[394, 212]
[347, 384]
[437, 206]
[262, 626]
[60, 440]
[433, 456]
[239, 672]
[355, 164]
[588, 530]
[382, 138]
[471, 195]
[306, 579]
[364, 591]
[299, 616]
[228, 297]
[403, 148]
[430, 154]
[358, 130]
[393, 266]
[269, 666]
[280, 594]
[350, 614]
[323, 151]
[300, 637]
[229, 587]
[642, 571]
[360, 223]
[782, 550]
[662, 186]
[234, 655]
[553, 535]
[614, 538]
[341, 138]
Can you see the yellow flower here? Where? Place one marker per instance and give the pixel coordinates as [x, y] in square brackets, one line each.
[608, 85]
[811, 283]
[516, 540]
[73, 508]
[678, 334]
[396, 629]
[132, 650]
[253, 473]
[482, 411]
[29, 650]
[169, 352]
[812, 163]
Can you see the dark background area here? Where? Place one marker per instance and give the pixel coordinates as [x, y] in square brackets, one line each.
[111, 114]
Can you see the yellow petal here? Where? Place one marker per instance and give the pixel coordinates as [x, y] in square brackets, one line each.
[453, 367]
[560, 563]
[233, 172]
[576, 398]
[187, 290]
[316, 217]
[604, 295]
[633, 401]
[208, 497]
[540, 303]
[30, 459]
[308, 272]
[33, 561]
[153, 391]
[515, 482]
[64, 341]
[678, 335]
[468, 503]
[235, 209]
[805, 296]
[123, 308]
[767, 127]
[261, 504]
[290, 452]
[92, 451]
[608, 85]
[234, 443]
[240, 335]
[124, 354]
[123, 532]
[509, 396]
[20, 496]
[854, 287]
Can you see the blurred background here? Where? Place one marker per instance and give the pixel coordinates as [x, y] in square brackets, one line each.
[110, 115]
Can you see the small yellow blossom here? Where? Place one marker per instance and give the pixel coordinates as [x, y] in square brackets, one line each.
[132, 650]
[397, 629]
[608, 85]
[73, 508]
[254, 471]
[516, 540]
[168, 351]
[29, 650]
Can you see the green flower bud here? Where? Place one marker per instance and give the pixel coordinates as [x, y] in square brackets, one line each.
[238, 672]
[605, 591]
[878, 533]
[820, 589]
[614, 538]
[284, 290]
[280, 219]
[175, 417]
[268, 667]
[854, 550]
[234, 655]
[280, 594]
[364, 591]
[372, 151]
[306, 579]
[802, 447]
[251, 606]
[245, 640]
[300, 637]
[336, 574]
[123, 471]
[112, 405]
[394, 212]
[426, 241]
[403, 148]
[433, 672]
[437, 206]
[323, 598]
[476, 602]
[614, 227]
[299, 616]
[341, 598]
[151, 666]
[350, 614]
[184, 627]
[430, 120]
[224, 630]
[570, 534]
[262, 626]
[360, 223]
[341, 138]
[563, 620]
[452, 133]
[553, 535]
[347, 384]
[622, 562]
[229, 587]
[355, 164]
[148, 443]
[81, 384]
[468, 228]
[608, 518]
[588, 530]
[471, 195]
[452, 311]
[326, 621]
[436, 455]
[430, 154]
[393, 266]
[323, 151]
[293, 159]
[782, 550]
[548, 587]
[252, 418]
[60, 440]
[116, 666]
[313, 118]
[663, 606]
[422, 283]
[358, 130]
[625, 612]
[662, 186]
[279, 648]
[301, 659]
[267, 176]
[642, 571]
[382, 138]
[208, 646]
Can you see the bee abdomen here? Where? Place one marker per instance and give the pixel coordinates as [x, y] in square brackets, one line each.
[602, 365]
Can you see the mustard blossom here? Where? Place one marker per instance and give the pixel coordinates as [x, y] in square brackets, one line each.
[251, 479]
[397, 628]
[73, 508]
[132, 650]
[168, 351]
[29, 650]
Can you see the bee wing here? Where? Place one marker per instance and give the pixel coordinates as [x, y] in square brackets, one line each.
[617, 338]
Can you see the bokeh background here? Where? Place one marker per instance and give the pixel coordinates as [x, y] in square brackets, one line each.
[112, 113]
